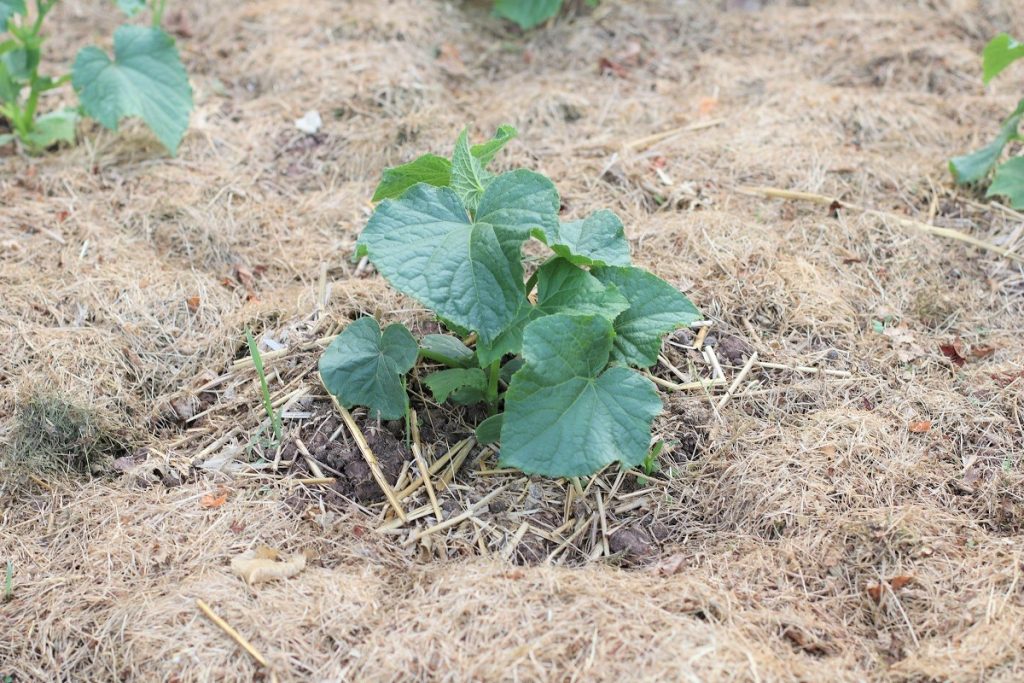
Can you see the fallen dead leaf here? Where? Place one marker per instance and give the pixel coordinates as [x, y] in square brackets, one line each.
[874, 590]
[214, 500]
[982, 351]
[898, 582]
[919, 426]
[193, 303]
[955, 352]
[707, 105]
[608, 66]
[903, 343]
[263, 564]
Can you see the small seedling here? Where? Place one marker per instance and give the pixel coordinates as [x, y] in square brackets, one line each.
[553, 352]
[1008, 179]
[144, 79]
[529, 13]
[268, 406]
[9, 582]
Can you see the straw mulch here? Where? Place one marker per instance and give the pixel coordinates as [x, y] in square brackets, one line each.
[853, 512]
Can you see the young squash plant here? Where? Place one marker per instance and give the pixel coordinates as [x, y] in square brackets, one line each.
[145, 78]
[1008, 179]
[530, 13]
[555, 354]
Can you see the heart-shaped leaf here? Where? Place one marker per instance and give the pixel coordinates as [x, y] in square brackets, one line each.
[655, 307]
[598, 240]
[469, 179]
[468, 272]
[567, 416]
[145, 79]
[364, 367]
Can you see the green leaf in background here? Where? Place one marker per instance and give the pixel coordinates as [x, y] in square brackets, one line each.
[485, 151]
[1000, 52]
[131, 7]
[655, 308]
[975, 166]
[1009, 182]
[49, 129]
[527, 13]
[145, 79]
[565, 417]
[469, 179]
[8, 8]
[447, 350]
[429, 168]
[426, 246]
[489, 431]
[363, 367]
[444, 382]
[9, 89]
[598, 240]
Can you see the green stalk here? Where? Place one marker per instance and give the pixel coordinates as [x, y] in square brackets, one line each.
[492, 386]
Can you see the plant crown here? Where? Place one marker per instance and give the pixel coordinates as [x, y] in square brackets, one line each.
[1008, 179]
[145, 78]
[554, 353]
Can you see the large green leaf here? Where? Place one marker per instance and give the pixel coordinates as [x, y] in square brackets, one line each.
[8, 8]
[485, 151]
[655, 308]
[975, 166]
[469, 179]
[565, 415]
[429, 168]
[489, 431]
[527, 13]
[468, 272]
[444, 383]
[145, 79]
[363, 367]
[1000, 52]
[598, 240]
[1009, 181]
[509, 340]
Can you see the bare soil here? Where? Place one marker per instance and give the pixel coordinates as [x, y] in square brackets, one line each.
[865, 523]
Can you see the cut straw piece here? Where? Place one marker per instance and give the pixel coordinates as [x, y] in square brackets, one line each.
[689, 386]
[804, 368]
[436, 466]
[513, 543]
[739, 380]
[458, 519]
[235, 635]
[425, 475]
[371, 459]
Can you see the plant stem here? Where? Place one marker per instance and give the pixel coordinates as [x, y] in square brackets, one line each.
[158, 12]
[492, 386]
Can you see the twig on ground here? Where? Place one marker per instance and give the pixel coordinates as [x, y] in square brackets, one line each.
[928, 228]
[739, 380]
[235, 635]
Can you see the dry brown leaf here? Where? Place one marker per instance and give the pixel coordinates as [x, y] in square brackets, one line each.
[874, 590]
[707, 105]
[264, 564]
[955, 352]
[193, 303]
[919, 426]
[898, 582]
[215, 499]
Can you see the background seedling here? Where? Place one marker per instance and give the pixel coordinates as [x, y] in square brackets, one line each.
[1008, 176]
[144, 79]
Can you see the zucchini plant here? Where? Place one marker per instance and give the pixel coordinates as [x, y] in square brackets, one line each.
[145, 78]
[1008, 179]
[529, 13]
[552, 353]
